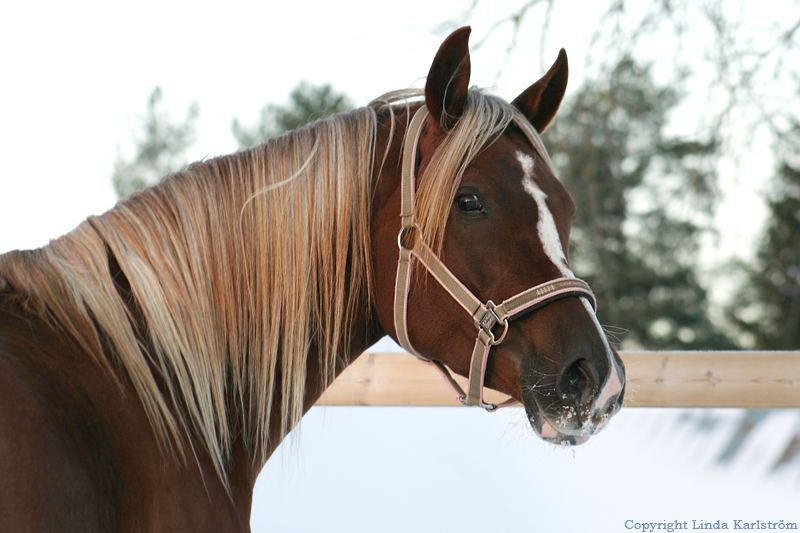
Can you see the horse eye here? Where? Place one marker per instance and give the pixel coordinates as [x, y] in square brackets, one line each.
[469, 203]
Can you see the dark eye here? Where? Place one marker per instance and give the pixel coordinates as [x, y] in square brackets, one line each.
[469, 203]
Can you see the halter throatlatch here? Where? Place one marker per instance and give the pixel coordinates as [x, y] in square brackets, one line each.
[490, 319]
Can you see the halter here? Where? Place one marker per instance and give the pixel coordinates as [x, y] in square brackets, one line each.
[490, 319]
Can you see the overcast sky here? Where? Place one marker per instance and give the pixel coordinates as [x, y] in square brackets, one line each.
[75, 76]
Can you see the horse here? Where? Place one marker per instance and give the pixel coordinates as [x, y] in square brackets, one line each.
[152, 359]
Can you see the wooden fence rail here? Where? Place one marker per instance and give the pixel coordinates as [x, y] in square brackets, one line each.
[654, 379]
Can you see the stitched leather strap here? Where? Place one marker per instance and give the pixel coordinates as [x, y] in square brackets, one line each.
[408, 185]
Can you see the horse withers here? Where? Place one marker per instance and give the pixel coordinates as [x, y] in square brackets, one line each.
[152, 359]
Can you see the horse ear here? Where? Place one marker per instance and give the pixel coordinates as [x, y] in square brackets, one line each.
[448, 79]
[540, 101]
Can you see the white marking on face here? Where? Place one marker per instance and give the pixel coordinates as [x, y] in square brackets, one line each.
[551, 242]
[613, 385]
[546, 227]
[611, 389]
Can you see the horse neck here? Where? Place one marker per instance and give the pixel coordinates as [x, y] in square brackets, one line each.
[241, 255]
[123, 282]
[205, 240]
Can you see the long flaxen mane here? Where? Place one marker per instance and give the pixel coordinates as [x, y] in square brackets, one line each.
[209, 290]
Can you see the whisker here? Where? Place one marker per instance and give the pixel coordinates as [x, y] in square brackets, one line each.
[615, 329]
[615, 334]
[541, 373]
[534, 386]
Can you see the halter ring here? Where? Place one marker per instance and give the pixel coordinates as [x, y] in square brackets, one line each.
[400, 233]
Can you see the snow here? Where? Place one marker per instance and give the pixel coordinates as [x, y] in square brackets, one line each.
[369, 469]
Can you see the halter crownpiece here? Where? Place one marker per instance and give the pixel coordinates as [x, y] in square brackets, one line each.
[490, 319]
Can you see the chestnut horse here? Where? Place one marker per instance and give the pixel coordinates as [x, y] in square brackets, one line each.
[153, 358]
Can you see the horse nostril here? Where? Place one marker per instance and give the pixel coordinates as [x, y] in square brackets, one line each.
[577, 382]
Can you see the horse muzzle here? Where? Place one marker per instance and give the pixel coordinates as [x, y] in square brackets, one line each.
[571, 405]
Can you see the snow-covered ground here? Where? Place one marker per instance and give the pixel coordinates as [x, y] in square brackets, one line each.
[376, 469]
[425, 469]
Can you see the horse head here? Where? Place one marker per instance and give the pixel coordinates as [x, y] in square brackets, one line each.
[501, 235]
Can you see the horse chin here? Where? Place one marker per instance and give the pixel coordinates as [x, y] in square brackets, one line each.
[566, 430]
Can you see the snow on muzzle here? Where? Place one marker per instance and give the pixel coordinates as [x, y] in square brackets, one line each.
[569, 407]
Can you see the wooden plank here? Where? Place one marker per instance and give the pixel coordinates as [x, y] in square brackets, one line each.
[713, 379]
[654, 379]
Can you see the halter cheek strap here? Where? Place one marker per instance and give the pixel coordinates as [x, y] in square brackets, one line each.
[490, 319]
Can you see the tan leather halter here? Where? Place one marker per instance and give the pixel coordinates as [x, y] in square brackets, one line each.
[485, 316]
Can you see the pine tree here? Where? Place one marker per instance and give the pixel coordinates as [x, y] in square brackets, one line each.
[630, 183]
[160, 147]
[767, 310]
[162, 143]
[307, 103]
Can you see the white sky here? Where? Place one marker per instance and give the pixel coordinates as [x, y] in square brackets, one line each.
[75, 75]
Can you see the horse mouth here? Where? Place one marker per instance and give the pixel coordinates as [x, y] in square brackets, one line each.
[566, 424]
[554, 433]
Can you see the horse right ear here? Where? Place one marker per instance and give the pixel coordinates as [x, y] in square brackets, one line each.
[448, 79]
[540, 101]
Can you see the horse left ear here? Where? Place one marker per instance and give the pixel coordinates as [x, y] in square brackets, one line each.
[540, 101]
[448, 80]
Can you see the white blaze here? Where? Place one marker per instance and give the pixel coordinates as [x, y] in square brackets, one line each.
[546, 227]
[551, 243]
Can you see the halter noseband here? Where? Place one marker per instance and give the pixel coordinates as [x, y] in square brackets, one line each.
[490, 319]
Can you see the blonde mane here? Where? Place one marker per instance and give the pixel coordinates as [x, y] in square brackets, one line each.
[237, 269]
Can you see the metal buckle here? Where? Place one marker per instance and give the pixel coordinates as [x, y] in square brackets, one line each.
[400, 235]
[484, 405]
[489, 320]
[490, 407]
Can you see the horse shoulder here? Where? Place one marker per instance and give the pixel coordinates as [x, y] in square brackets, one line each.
[77, 452]
[46, 481]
